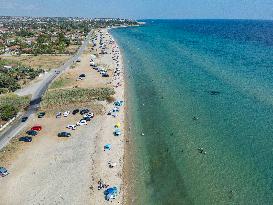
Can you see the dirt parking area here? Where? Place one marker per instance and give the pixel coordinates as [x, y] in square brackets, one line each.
[93, 79]
[42, 168]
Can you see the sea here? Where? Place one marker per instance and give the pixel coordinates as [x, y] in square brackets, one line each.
[200, 103]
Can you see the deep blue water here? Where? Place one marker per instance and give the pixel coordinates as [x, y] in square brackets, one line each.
[221, 73]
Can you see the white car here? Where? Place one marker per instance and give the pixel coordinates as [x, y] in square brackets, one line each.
[115, 109]
[80, 78]
[66, 113]
[91, 115]
[81, 122]
[58, 114]
[71, 127]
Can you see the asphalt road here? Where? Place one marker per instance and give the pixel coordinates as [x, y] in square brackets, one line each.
[17, 126]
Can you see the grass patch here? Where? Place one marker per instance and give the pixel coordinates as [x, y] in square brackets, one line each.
[72, 49]
[15, 100]
[46, 62]
[60, 97]
[63, 81]
[73, 66]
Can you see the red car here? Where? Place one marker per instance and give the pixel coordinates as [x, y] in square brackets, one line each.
[37, 128]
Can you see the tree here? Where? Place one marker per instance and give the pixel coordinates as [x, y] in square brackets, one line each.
[7, 81]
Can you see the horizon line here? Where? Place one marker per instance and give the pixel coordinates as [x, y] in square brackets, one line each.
[140, 19]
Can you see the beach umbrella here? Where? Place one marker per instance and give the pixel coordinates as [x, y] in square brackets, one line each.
[117, 132]
[111, 193]
[118, 103]
[107, 147]
[117, 125]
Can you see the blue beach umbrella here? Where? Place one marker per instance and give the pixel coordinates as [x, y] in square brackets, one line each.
[117, 132]
[111, 193]
[107, 147]
[118, 103]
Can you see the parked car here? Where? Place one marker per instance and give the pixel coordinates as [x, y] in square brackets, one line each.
[3, 172]
[58, 115]
[66, 113]
[32, 132]
[79, 78]
[72, 127]
[87, 118]
[37, 128]
[78, 60]
[91, 115]
[81, 122]
[64, 134]
[105, 75]
[115, 109]
[41, 114]
[82, 75]
[84, 111]
[25, 139]
[102, 71]
[74, 112]
[24, 119]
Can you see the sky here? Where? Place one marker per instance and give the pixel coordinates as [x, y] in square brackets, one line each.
[142, 9]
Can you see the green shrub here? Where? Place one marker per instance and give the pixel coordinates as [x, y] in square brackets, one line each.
[15, 100]
[4, 90]
[8, 82]
[10, 104]
[7, 112]
[10, 78]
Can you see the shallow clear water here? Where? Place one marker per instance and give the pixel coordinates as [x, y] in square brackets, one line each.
[221, 72]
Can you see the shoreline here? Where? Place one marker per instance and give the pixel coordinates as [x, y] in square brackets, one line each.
[125, 167]
[127, 144]
[127, 153]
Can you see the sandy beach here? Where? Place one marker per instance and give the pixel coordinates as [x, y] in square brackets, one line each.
[111, 177]
[52, 170]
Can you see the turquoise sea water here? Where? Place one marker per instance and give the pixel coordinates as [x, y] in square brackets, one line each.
[219, 71]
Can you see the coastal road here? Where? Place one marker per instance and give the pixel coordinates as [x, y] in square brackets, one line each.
[16, 127]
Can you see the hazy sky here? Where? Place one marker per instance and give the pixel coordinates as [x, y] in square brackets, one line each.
[141, 9]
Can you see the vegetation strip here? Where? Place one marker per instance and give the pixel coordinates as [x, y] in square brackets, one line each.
[59, 97]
